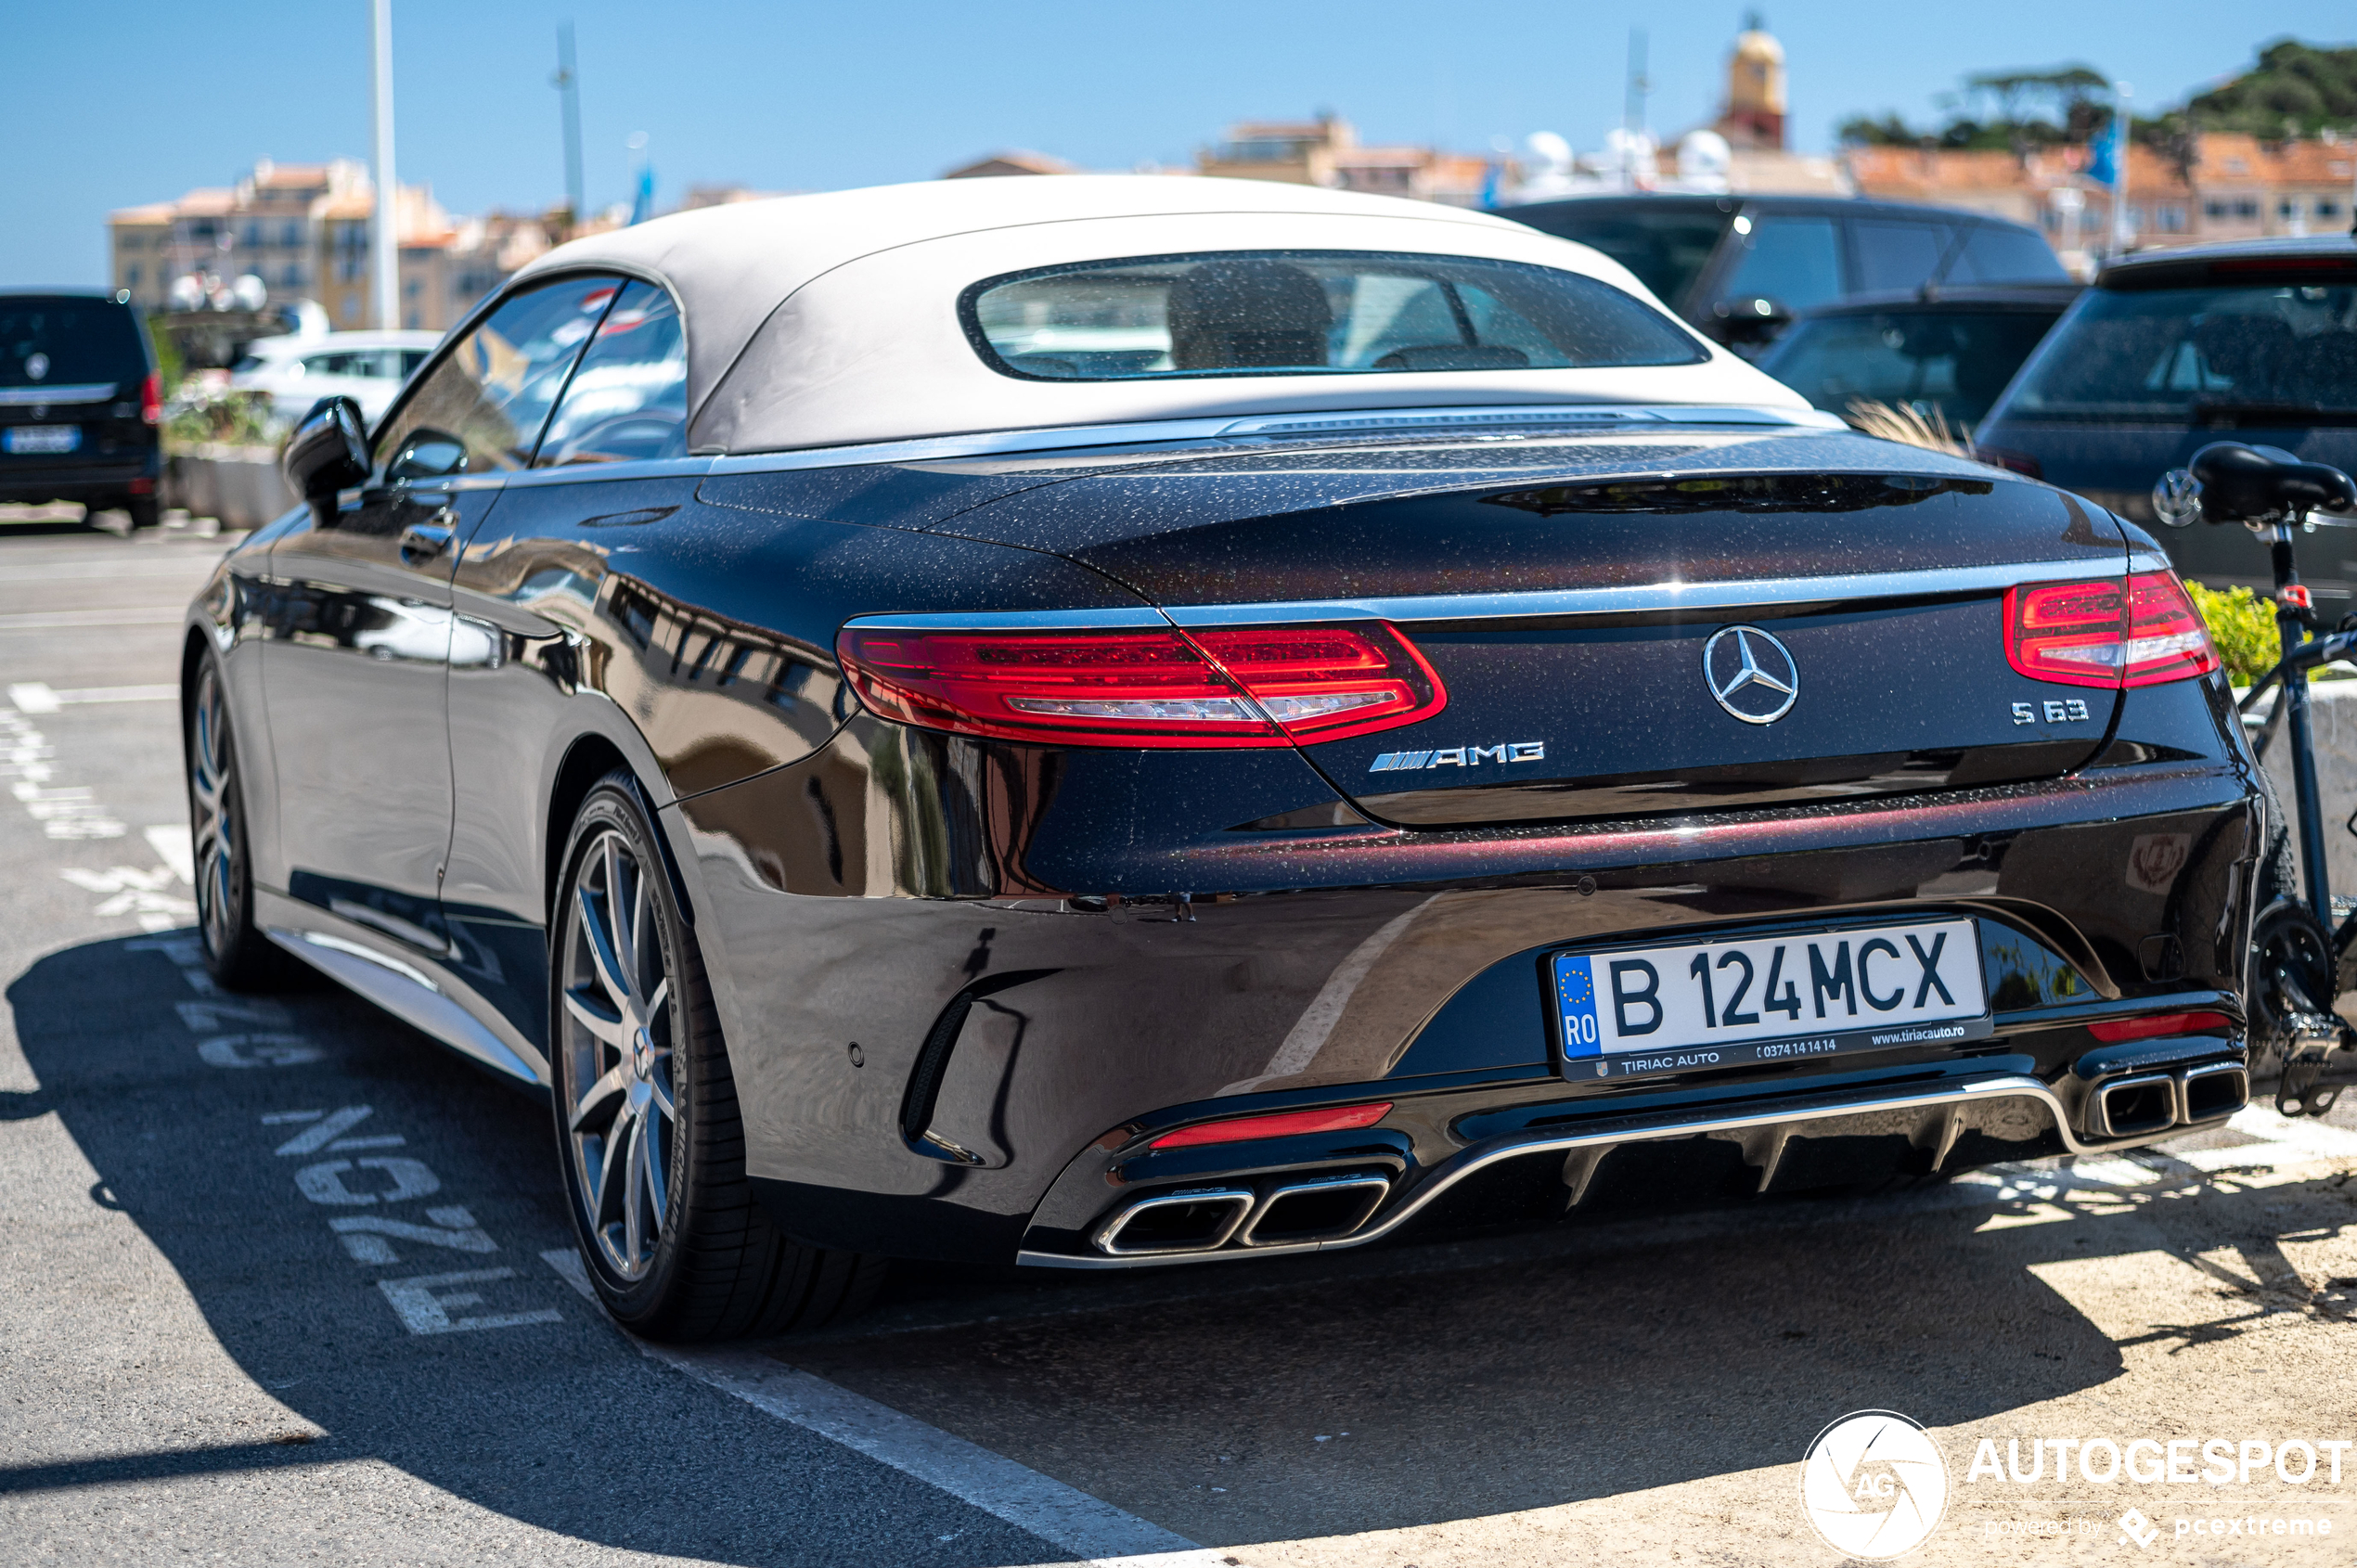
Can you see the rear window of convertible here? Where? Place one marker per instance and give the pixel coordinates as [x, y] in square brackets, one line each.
[1292, 312]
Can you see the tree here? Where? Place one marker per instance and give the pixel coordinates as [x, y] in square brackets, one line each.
[2032, 109]
[2295, 91]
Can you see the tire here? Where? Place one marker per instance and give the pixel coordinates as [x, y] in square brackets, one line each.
[645, 1110]
[146, 511]
[239, 956]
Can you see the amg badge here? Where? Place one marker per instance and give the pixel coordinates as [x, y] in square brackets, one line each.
[1462, 756]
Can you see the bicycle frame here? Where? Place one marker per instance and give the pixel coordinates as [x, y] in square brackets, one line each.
[2301, 653]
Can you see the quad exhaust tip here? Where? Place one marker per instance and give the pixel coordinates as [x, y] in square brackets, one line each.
[1204, 1219]
[2153, 1103]
[1330, 1208]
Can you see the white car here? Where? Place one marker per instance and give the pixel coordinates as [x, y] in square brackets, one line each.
[297, 372]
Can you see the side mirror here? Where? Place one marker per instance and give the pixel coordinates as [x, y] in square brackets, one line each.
[327, 452]
[1753, 320]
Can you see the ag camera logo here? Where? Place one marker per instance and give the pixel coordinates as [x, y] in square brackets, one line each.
[1874, 1484]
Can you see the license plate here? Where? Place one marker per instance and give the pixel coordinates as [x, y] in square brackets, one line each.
[1787, 997]
[30, 440]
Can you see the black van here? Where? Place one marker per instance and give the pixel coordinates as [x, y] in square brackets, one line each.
[80, 403]
[2253, 341]
[1741, 267]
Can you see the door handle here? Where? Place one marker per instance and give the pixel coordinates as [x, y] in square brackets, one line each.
[423, 541]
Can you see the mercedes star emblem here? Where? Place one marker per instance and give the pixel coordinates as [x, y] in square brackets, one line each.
[1753, 675]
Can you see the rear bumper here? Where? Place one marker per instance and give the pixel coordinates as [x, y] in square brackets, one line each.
[1556, 1166]
[79, 482]
[1030, 996]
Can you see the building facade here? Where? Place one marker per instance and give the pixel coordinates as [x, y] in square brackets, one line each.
[2232, 187]
[304, 230]
[1326, 151]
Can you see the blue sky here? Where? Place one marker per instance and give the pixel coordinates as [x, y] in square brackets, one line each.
[138, 101]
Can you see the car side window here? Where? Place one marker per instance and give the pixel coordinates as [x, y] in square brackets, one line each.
[481, 407]
[1794, 260]
[2004, 255]
[1896, 256]
[629, 401]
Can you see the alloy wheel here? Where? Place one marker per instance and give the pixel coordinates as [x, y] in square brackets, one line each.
[621, 1115]
[214, 820]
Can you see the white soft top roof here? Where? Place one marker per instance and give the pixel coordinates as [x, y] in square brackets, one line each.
[832, 319]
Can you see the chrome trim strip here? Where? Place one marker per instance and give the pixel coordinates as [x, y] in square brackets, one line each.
[360, 950]
[983, 444]
[1639, 598]
[2008, 1087]
[590, 474]
[79, 392]
[1576, 416]
[1015, 620]
[988, 443]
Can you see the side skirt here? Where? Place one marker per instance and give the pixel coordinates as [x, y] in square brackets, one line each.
[406, 984]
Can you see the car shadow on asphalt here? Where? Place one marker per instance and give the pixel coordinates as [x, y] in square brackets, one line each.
[1270, 1401]
[1359, 1392]
[519, 1398]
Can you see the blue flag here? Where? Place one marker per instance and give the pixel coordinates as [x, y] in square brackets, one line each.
[2111, 153]
[643, 206]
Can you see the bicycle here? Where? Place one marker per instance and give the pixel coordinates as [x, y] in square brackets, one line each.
[2299, 962]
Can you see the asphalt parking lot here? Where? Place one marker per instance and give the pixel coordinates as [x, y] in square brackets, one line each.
[288, 1283]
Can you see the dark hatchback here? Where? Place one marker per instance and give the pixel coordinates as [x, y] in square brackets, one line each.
[80, 403]
[2169, 351]
[1944, 351]
[1741, 267]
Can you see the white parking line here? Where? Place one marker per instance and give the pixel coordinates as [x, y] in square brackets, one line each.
[38, 696]
[65, 620]
[1065, 1516]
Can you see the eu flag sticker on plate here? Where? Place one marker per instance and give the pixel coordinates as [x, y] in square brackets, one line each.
[1575, 999]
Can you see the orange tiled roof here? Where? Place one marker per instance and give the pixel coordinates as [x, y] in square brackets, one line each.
[2316, 162]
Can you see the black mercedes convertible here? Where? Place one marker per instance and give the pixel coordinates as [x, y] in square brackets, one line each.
[1107, 722]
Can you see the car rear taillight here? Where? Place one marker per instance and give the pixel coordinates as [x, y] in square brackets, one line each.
[1280, 1124]
[152, 399]
[1145, 688]
[2112, 1030]
[2109, 632]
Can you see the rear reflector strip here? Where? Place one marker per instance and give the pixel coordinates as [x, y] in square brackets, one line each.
[2111, 632]
[1145, 687]
[2112, 1031]
[1277, 1126]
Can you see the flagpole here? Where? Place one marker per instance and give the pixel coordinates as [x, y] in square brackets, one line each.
[2121, 122]
[386, 231]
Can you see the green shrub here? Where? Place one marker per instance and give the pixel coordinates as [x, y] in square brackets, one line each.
[238, 419]
[2243, 626]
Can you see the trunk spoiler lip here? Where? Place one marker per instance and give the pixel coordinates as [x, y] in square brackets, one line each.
[1549, 603]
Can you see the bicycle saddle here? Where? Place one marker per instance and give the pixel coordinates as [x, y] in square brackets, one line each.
[2227, 482]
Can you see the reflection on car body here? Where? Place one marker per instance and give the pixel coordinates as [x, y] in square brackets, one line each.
[912, 783]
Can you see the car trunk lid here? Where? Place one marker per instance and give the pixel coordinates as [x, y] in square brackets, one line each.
[1694, 633]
